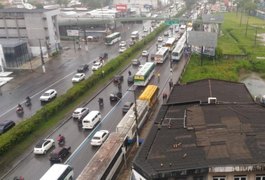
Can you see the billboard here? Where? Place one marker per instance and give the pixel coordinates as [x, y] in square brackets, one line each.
[121, 7]
[72, 32]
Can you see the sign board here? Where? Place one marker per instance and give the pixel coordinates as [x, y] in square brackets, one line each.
[72, 32]
[171, 22]
[121, 7]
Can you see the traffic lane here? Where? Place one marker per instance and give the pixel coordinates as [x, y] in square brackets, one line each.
[56, 69]
[109, 122]
[74, 134]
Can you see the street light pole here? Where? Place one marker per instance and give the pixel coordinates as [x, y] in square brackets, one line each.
[136, 117]
[42, 60]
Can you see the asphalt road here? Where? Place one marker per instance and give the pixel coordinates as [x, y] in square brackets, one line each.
[61, 71]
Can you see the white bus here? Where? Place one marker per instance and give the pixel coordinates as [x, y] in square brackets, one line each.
[59, 171]
[170, 43]
[135, 35]
[161, 55]
[143, 76]
[178, 50]
[112, 38]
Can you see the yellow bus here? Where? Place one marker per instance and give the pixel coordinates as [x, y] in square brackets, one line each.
[150, 94]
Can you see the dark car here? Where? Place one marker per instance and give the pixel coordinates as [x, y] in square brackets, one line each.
[59, 154]
[6, 125]
[118, 78]
[83, 68]
[115, 96]
[130, 79]
[126, 107]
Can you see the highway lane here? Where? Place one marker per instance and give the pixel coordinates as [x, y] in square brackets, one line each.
[75, 136]
[33, 167]
[59, 73]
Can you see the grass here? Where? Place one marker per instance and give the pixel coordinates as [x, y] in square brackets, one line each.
[234, 39]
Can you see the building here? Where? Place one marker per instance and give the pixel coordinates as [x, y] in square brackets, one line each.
[139, 5]
[209, 129]
[34, 26]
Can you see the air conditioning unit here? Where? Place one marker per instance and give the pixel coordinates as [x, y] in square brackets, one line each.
[212, 100]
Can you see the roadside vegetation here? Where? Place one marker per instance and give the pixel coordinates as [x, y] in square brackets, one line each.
[238, 52]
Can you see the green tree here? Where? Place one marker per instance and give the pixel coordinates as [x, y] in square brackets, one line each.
[62, 2]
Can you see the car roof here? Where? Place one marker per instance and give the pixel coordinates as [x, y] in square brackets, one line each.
[49, 91]
[100, 133]
[128, 103]
[6, 122]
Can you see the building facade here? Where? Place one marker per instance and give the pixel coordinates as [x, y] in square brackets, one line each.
[36, 26]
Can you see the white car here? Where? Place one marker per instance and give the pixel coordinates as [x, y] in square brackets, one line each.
[145, 53]
[96, 66]
[160, 39]
[43, 146]
[122, 49]
[122, 44]
[79, 113]
[48, 95]
[99, 138]
[145, 30]
[78, 77]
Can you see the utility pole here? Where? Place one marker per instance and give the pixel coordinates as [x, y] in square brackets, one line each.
[42, 60]
[136, 119]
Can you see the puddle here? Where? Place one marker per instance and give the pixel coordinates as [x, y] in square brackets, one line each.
[254, 83]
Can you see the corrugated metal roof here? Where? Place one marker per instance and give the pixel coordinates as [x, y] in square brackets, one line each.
[196, 135]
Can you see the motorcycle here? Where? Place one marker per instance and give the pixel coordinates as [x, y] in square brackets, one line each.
[28, 102]
[100, 102]
[20, 110]
[61, 140]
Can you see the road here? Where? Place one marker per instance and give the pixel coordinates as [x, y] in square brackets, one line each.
[33, 167]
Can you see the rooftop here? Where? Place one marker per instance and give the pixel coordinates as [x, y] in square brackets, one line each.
[190, 134]
[22, 10]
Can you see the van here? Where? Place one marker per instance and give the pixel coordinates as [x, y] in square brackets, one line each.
[91, 120]
[59, 171]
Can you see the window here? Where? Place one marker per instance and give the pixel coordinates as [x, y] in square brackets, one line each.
[219, 178]
[240, 177]
[260, 177]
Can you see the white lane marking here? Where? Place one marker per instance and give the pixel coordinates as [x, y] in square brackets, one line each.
[58, 81]
[78, 149]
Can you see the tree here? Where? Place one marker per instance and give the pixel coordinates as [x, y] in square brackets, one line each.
[62, 2]
[249, 7]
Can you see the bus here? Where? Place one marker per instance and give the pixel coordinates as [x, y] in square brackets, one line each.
[135, 35]
[143, 76]
[112, 38]
[178, 50]
[106, 161]
[170, 43]
[150, 94]
[161, 55]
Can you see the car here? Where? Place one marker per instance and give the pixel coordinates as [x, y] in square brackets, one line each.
[43, 146]
[160, 39]
[127, 105]
[80, 113]
[145, 29]
[78, 77]
[82, 68]
[122, 49]
[152, 57]
[136, 62]
[6, 125]
[59, 154]
[118, 78]
[96, 66]
[130, 79]
[145, 53]
[48, 95]
[166, 33]
[122, 44]
[115, 96]
[103, 56]
[99, 138]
